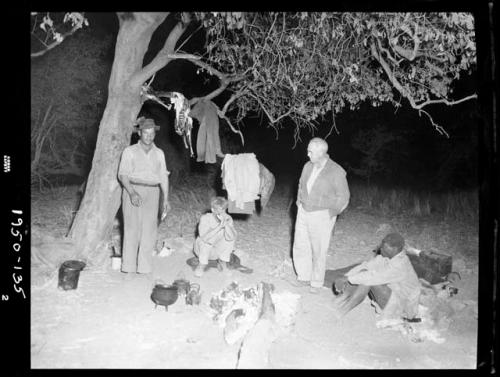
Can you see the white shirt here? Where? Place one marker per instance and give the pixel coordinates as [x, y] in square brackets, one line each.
[314, 174]
[144, 167]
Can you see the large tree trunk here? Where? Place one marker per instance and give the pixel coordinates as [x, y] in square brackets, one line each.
[94, 219]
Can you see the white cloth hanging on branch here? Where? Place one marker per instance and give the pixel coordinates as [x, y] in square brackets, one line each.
[240, 174]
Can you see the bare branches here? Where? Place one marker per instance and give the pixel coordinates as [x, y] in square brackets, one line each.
[266, 111]
[334, 126]
[445, 101]
[233, 98]
[167, 52]
[438, 128]
[223, 116]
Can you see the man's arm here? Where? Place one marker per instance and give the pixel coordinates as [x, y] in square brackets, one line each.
[135, 198]
[356, 269]
[207, 234]
[164, 173]
[229, 230]
[300, 186]
[387, 274]
[342, 194]
[123, 175]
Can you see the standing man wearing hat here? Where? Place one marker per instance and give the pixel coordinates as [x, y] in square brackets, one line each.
[322, 195]
[143, 173]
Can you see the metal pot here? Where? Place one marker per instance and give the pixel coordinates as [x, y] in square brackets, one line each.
[164, 295]
[183, 286]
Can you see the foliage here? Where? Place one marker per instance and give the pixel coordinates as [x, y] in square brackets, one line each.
[304, 65]
[68, 87]
[49, 30]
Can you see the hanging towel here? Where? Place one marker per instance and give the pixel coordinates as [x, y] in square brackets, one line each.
[208, 140]
[240, 175]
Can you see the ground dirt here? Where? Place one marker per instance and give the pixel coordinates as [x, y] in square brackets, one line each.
[110, 322]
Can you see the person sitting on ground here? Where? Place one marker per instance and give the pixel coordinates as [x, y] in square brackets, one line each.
[217, 236]
[389, 276]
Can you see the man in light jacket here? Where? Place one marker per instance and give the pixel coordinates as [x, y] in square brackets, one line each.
[323, 194]
[392, 275]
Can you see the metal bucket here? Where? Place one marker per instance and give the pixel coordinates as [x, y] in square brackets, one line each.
[69, 273]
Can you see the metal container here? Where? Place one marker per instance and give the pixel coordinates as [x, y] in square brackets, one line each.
[164, 295]
[69, 273]
[183, 286]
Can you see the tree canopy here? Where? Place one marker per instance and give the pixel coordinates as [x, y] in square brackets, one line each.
[303, 65]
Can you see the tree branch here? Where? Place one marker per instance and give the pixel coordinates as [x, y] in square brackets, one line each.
[213, 94]
[166, 54]
[438, 128]
[223, 116]
[232, 99]
[445, 101]
[405, 92]
[224, 79]
[408, 54]
[55, 43]
[148, 94]
[154, 96]
[269, 116]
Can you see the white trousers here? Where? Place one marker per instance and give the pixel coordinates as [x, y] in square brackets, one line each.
[220, 249]
[140, 225]
[313, 232]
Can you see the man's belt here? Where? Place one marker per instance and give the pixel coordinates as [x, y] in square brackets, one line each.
[144, 184]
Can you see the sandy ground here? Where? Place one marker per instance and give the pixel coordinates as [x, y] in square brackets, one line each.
[109, 322]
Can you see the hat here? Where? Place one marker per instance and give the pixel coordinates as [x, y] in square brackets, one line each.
[394, 240]
[143, 123]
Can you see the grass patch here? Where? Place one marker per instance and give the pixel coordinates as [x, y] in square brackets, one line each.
[457, 205]
[189, 199]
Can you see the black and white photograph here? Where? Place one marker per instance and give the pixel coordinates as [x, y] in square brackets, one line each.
[257, 190]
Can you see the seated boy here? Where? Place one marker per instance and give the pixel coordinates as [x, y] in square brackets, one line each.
[389, 273]
[216, 238]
